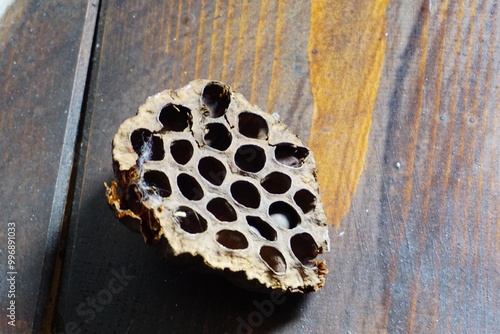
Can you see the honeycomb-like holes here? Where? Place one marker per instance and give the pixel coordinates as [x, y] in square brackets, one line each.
[290, 155]
[189, 187]
[146, 145]
[189, 220]
[182, 151]
[222, 210]
[283, 215]
[216, 96]
[250, 158]
[273, 258]
[157, 182]
[261, 228]
[212, 170]
[217, 136]
[276, 183]
[305, 200]
[246, 194]
[232, 239]
[304, 248]
[252, 125]
[175, 117]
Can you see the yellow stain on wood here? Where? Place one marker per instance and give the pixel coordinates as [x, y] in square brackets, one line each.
[346, 52]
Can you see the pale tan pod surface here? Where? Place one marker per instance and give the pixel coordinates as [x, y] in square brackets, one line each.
[207, 174]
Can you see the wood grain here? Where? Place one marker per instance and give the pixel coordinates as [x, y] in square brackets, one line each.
[43, 71]
[345, 73]
[424, 224]
[418, 250]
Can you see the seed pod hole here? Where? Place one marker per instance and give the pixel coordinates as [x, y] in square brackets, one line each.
[252, 125]
[232, 239]
[291, 155]
[189, 187]
[175, 117]
[216, 96]
[273, 258]
[147, 146]
[246, 194]
[304, 248]
[158, 183]
[212, 170]
[222, 210]
[305, 200]
[217, 136]
[283, 215]
[182, 151]
[134, 199]
[139, 138]
[250, 158]
[262, 228]
[276, 183]
[189, 220]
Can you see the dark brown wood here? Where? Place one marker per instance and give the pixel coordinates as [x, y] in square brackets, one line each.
[45, 50]
[418, 251]
[438, 176]
[420, 243]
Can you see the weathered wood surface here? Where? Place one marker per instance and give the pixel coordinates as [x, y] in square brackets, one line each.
[417, 252]
[43, 65]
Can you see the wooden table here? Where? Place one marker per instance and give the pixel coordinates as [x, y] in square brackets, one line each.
[398, 99]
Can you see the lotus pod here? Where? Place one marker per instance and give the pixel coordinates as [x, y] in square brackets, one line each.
[206, 175]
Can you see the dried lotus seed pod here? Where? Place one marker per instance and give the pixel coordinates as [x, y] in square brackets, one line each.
[201, 172]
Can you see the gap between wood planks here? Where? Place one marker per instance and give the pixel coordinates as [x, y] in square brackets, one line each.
[57, 232]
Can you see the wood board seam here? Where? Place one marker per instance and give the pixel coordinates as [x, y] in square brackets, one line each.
[66, 162]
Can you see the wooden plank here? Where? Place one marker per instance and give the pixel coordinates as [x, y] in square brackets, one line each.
[44, 71]
[417, 252]
[344, 103]
[450, 212]
[419, 247]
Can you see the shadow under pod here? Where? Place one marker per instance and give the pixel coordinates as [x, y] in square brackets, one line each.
[115, 283]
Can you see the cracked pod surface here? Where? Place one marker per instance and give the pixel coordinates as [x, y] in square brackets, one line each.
[202, 172]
